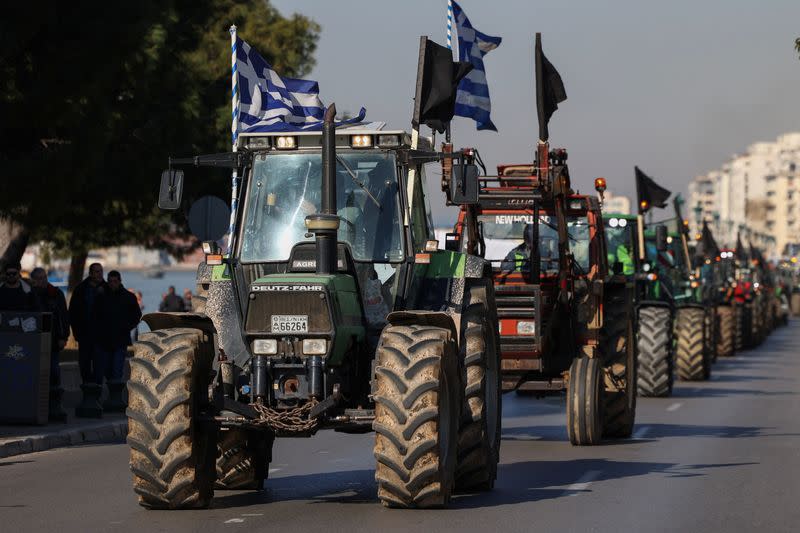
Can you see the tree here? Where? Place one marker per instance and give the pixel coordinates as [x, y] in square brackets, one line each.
[96, 95]
[797, 45]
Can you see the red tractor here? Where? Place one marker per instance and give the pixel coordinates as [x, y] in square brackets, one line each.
[566, 320]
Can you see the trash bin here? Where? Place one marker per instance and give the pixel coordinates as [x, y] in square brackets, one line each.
[24, 366]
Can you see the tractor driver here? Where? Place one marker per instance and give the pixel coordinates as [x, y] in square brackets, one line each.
[517, 259]
[618, 252]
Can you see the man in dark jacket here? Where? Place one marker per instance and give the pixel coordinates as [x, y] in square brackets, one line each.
[172, 303]
[81, 313]
[51, 300]
[16, 294]
[116, 313]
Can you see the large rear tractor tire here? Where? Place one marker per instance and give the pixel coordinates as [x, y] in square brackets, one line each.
[172, 455]
[794, 303]
[417, 410]
[691, 359]
[479, 432]
[619, 349]
[655, 352]
[710, 333]
[243, 459]
[726, 333]
[585, 401]
[738, 338]
[748, 337]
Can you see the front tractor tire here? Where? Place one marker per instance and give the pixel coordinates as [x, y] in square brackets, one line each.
[172, 455]
[619, 411]
[585, 393]
[726, 334]
[242, 459]
[654, 341]
[692, 361]
[417, 410]
[479, 431]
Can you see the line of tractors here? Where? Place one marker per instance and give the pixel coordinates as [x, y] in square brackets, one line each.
[335, 307]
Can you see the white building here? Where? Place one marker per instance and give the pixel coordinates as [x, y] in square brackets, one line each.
[757, 192]
[616, 204]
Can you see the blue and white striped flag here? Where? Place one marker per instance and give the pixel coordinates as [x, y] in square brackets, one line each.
[270, 103]
[472, 98]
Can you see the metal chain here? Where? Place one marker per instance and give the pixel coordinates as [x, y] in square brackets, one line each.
[295, 420]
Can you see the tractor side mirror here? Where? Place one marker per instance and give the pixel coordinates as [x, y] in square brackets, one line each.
[451, 242]
[171, 190]
[464, 185]
[661, 238]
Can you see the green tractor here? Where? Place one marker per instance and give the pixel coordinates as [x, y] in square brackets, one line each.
[676, 328]
[332, 309]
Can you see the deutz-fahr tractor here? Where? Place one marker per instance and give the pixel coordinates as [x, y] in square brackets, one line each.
[566, 323]
[333, 309]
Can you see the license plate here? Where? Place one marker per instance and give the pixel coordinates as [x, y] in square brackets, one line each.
[289, 323]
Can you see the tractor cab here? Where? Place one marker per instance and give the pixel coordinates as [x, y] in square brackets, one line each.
[547, 249]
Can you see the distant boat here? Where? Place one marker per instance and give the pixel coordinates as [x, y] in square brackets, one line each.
[153, 272]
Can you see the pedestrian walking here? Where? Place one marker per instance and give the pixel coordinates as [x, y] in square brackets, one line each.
[187, 299]
[116, 312]
[51, 300]
[85, 331]
[172, 303]
[15, 293]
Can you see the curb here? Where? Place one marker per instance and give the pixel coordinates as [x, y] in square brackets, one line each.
[68, 437]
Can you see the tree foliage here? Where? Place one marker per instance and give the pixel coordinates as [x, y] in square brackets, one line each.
[94, 96]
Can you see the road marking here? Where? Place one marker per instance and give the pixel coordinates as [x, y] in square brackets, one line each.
[273, 470]
[234, 521]
[641, 432]
[675, 406]
[583, 482]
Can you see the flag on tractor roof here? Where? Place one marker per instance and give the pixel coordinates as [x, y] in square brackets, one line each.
[649, 193]
[269, 102]
[549, 89]
[470, 45]
[437, 79]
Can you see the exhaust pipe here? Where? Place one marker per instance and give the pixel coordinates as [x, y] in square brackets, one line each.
[325, 224]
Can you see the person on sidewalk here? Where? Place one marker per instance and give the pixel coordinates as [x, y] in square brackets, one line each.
[81, 314]
[51, 300]
[116, 313]
[15, 293]
[172, 303]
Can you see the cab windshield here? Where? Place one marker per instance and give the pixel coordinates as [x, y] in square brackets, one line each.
[504, 236]
[619, 236]
[285, 188]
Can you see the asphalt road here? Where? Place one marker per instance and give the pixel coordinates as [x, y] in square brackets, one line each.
[718, 456]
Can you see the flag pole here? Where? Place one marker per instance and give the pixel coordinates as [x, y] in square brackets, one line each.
[234, 136]
[450, 46]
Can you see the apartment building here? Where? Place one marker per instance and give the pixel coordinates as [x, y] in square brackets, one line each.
[757, 192]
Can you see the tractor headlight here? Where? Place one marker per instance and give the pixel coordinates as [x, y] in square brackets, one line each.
[286, 143]
[646, 267]
[613, 222]
[361, 141]
[388, 141]
[526, 328]
[623, 223]
[315, 346]
[265, 346]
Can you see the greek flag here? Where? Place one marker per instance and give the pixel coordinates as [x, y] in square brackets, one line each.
[472, 98]
[270, 103]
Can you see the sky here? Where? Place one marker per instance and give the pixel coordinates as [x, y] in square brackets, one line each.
[675, 87]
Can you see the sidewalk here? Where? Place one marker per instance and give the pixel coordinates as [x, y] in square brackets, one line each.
[16, 440]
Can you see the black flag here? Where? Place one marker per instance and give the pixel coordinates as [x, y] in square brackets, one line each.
[741, 252]
[707, 247]
[437, 79]
[549, 89]
[649, 192]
